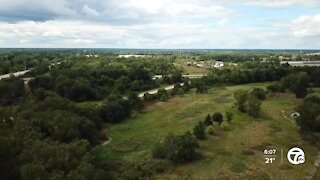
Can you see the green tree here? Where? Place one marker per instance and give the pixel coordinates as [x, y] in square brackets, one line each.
[229, 116]
[199, 130]
[134, 101]
[259, 93]
[162, 94]
[298, 83]
[253, 106]
[309, 119]
[217, 117]
[241, 97]
[208, 120]
[176, 148]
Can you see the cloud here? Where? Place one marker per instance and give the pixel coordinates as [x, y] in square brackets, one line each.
[37, 10]
[111, 11]
[89, 11]
[306, 26]
[155, 24]
[73, 34]
[279, 3]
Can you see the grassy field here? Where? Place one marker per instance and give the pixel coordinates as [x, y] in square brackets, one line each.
[233, 154]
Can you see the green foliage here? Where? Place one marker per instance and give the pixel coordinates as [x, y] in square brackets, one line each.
[211, 130]
[11, 90]
[145, 169]
[259, 93]
[239, 167]
[115, 110]
[229, 116]
[217, 117]
[162, 94]
[275, 87]
[176, 148]
[241, 99]
[297, 83]
[176, 77]
[225, 126]
[253, 106]
[148, 97]
[208, 120]
[180, 92]
[134, 101]
[200, 85]
[309, 119]
[199, 130]
[249, 103]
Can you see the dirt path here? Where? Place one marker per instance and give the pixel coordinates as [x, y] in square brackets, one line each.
[107, 142]
[285, 116]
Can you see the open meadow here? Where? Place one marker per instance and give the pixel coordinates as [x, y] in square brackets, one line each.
[236, 153]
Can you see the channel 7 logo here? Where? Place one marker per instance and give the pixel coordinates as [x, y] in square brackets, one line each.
[296, 156]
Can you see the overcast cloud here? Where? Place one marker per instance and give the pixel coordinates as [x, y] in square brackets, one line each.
[160, 23]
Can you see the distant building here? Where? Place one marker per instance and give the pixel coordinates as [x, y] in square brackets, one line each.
[283, 58]
[128, 56]
[218, 64]
[156, 77]
[91, 55]
[301, 63]
[313, 54]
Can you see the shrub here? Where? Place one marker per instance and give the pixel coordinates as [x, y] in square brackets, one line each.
[217, 117]
[176, 148]
[241, 97]
[207, 120]
[199, 130]
[253, 106]
[163, 97]
[259, 93]
[180, 92]
[225, 126]
[147, 97]
[159, 151]
[229, 116]
[211, 130]
[275, 87]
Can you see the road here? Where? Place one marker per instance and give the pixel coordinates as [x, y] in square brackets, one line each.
[19, 73]
[155, 91]
[190, 76]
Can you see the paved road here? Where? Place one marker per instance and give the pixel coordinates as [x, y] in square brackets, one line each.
[20, 73]
[155, 91]
[190, 76]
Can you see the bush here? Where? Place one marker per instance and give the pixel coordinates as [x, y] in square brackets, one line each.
[163, 97]
[275, 87]
[211, 130]
[225, 126]
[207, 120]
[241, 97]
[159, 151]
[217, 117]
[180, 92]
[259, 93]
[253, 106]
[176, 148]
[199, 130]
[229, 116]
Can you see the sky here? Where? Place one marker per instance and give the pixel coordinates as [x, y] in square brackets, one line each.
[164, 24]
